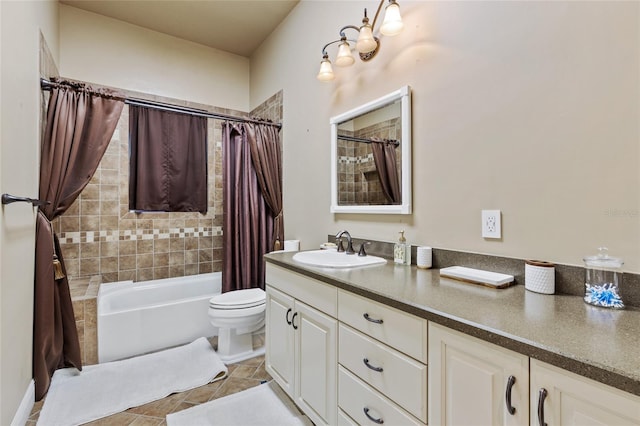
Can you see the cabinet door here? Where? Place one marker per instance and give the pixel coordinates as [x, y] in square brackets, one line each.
[469, 381]
[279, 339]
[575, 400]
[316, 364]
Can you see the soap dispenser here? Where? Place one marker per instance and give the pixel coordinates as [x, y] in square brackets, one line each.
[402, 251]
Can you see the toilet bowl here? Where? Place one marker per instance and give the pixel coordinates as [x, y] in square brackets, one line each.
[237, 314]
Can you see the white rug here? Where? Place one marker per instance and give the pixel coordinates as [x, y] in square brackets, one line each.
[101, 390]
[265, 404]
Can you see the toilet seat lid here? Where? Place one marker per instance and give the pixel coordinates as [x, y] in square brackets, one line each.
[238, 299]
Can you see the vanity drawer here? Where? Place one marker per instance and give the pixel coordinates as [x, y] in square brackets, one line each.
[312, 292]
[402, 379]
[355, 397]
[400, 330]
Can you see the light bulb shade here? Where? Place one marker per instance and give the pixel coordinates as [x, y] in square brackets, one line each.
[344, 58]
[392, 23]
[326, 72]
[366, 42]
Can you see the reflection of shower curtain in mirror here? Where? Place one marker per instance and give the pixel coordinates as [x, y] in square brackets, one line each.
[384, 155]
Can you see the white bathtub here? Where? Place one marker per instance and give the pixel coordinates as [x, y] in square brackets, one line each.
[136, 318]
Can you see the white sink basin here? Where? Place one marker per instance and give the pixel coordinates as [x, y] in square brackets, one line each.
[333, 259]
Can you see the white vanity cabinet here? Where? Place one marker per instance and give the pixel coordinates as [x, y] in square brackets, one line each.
[469, 381]
[382, 352]
[472, 382]
[348, 360]
[301, 341]
[559, 397]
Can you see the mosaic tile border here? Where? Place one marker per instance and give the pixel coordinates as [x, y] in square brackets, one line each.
[138, 234]
[343, 159]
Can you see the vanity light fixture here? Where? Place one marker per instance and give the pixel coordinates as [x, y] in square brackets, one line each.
[367, 44]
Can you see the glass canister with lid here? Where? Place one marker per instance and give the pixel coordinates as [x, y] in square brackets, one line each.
[603, 276]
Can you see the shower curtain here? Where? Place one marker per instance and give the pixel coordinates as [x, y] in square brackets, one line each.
[384, 156]
[168, 153]
[80, 123]
[253, 223]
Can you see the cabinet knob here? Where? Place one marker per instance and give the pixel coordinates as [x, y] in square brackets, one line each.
[295, 327]
[373, 419]
[510, 408]
[542, 395]
[286, 317]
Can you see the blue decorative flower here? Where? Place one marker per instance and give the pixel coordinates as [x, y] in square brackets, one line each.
[605, 295]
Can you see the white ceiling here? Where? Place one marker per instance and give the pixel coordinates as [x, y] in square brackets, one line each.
[236, 26]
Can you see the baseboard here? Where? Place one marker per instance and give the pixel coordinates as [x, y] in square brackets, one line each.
[24, 410]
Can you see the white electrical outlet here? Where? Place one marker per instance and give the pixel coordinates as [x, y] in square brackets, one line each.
[491, 224]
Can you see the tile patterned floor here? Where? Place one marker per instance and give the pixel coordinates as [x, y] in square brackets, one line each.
[241, 376]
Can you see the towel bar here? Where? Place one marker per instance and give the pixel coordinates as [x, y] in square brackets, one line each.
[8, 199]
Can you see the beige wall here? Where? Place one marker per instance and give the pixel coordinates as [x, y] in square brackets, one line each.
[21, 23]
[527, 107]
[106, 51]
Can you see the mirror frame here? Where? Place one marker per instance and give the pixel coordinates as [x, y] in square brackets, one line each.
[404, 95]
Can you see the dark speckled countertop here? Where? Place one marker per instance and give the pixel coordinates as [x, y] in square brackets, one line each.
[598, 343]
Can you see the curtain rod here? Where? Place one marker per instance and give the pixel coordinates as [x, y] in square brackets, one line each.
[365, 140]
[48, 85]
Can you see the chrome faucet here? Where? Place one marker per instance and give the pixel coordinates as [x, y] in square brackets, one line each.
[349, 249]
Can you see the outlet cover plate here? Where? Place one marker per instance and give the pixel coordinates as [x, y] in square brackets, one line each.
[491, 224]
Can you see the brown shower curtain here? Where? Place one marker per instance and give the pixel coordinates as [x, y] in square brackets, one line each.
[384, 156]
[80, 123]
[252, 214]
[266, 157]
[168, 154]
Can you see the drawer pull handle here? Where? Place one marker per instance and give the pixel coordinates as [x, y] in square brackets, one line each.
[366, 362]
[368, 318]
[373, 419]
[510, 408]
[295, 327]
[541, 397]
[286, 317]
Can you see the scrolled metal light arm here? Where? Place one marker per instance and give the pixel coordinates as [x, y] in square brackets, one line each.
[367, 50]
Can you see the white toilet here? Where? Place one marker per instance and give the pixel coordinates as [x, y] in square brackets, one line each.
[237, 314]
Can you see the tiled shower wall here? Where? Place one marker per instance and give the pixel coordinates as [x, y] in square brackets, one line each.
[100, 236]
[48, 69]
[271, 109]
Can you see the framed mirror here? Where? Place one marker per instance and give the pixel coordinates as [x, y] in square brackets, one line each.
[371, 156]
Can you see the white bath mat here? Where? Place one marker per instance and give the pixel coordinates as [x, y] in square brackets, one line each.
[264, 405]
[101, 390]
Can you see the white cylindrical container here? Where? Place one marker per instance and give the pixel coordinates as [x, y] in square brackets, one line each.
[291, 245]
[540, 276]
[423, 257]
